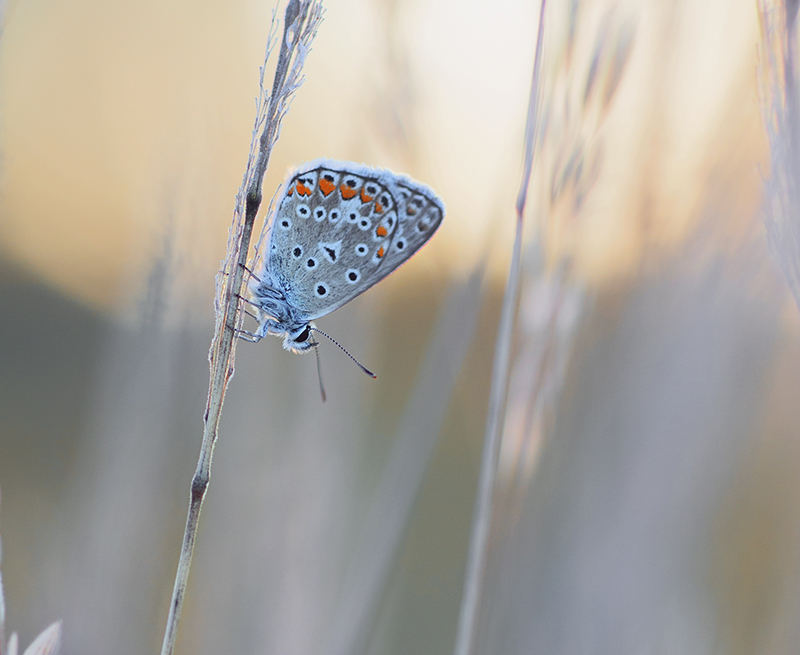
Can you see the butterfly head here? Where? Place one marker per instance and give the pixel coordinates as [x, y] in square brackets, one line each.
[299, 341]
[296, 336]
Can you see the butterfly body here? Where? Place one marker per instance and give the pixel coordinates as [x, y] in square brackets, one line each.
[338, 229]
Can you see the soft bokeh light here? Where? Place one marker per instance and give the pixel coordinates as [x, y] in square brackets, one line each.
[118, 121]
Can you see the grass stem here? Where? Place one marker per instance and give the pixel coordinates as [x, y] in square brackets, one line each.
[301, 20]
[482, 513]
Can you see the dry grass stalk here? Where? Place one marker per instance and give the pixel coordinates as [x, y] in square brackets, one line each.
[301, 21]
[482, 513]
[576, 103]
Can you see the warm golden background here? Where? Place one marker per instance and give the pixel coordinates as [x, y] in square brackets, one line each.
[650, 496]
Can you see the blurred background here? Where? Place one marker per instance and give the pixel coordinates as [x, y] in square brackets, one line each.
[649, 491]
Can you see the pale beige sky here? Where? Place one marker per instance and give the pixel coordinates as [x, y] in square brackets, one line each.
[122, 122]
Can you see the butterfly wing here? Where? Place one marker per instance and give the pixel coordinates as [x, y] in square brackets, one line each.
[341, 227]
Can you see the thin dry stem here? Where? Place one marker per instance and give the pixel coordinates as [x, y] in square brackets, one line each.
[301, 22]
[482, 513]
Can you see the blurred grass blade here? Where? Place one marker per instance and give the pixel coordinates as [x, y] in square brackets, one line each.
[479, 539]
[2, 606]
[412, 450]
[47, 643]
[780, 95]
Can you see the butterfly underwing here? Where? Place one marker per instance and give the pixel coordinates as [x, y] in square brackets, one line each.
[338, 228]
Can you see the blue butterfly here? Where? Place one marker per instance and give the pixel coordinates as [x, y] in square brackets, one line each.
[339, 228]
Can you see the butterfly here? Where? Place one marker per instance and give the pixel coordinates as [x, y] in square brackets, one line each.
[338, 229]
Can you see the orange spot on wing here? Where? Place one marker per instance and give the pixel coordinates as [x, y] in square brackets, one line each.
[410, 210]
[303, 190]
[290, 191]
[347, 192]
[378, 208]
[365, 197]
[381, 231]
[326, 186]
[381, 251]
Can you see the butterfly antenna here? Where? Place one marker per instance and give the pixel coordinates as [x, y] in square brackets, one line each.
[344, 350]
[319, 371]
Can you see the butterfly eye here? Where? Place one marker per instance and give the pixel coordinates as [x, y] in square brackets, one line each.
[319, 214]
[311, 262]
[303, 336]
[364, 224]
[361, 249]
[303, 211]
[285, 224]
[352, 217]
[334, 215]
[321, 291]
[353, 275]
[401, 244]
[297, 252]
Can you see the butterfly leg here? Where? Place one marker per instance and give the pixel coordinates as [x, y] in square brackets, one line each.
[244, 266]
[248, 301]
[253, 275]
[244, 335]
